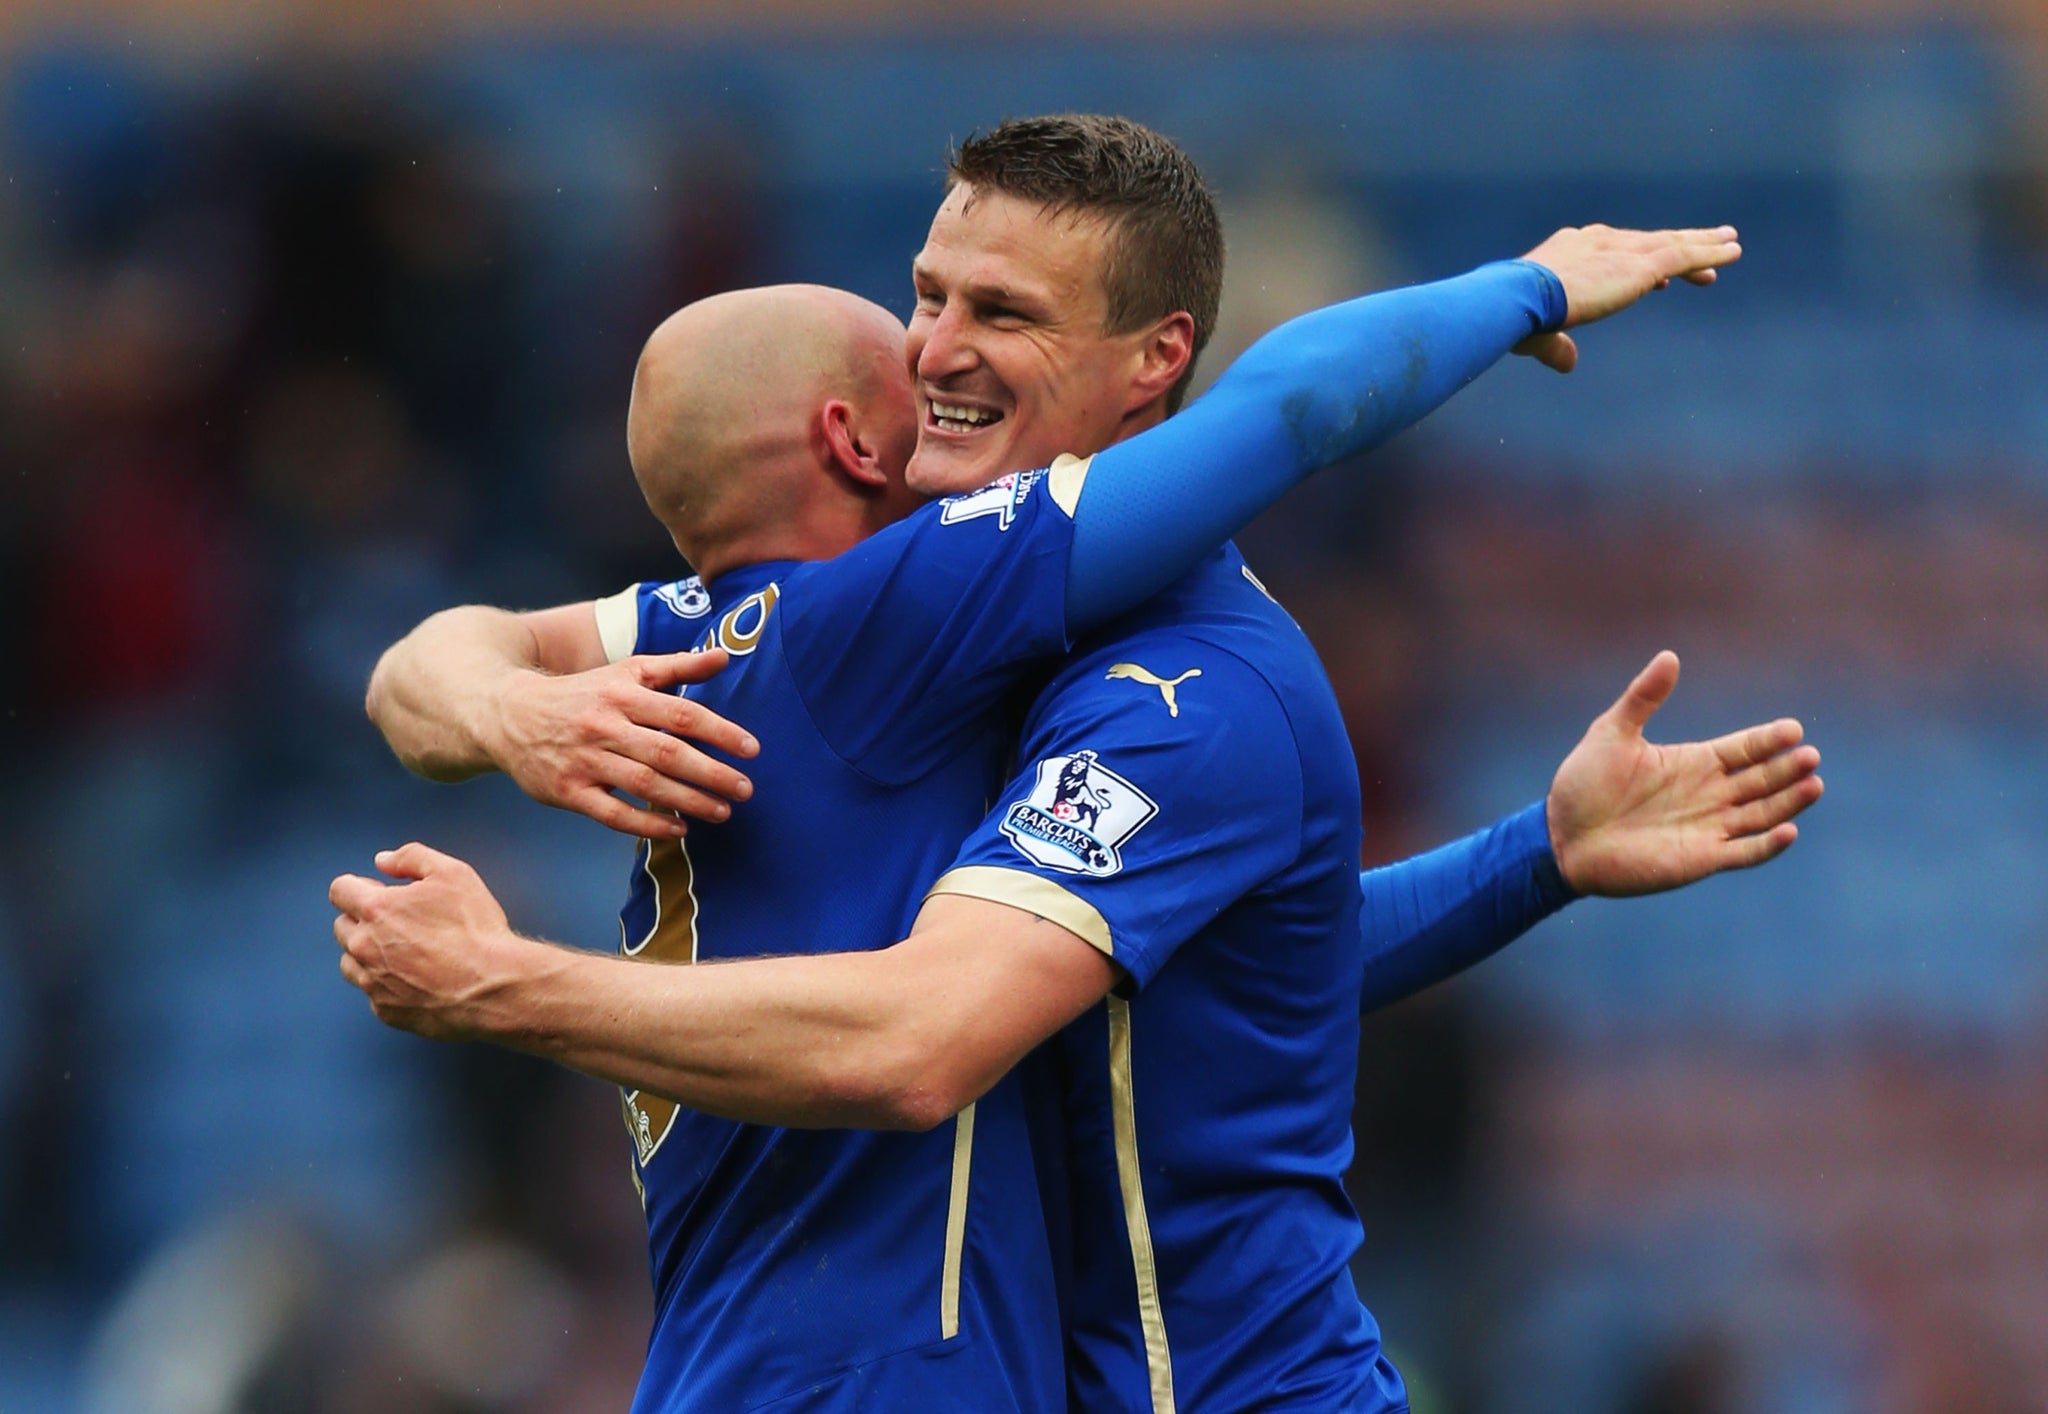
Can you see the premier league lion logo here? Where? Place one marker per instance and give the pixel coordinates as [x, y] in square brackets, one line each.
[1073, 799]
[1078, 815]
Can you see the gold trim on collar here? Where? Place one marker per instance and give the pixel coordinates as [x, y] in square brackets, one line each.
[1063, 480]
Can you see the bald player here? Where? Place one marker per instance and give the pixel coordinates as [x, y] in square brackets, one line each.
[765, 425]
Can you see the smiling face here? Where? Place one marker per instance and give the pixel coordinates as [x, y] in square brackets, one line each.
[1009, 350]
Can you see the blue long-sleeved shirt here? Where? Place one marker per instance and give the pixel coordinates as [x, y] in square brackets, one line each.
[1432, 916]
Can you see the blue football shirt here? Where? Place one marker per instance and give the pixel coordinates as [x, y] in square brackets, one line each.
[844, 1269]
[1188, 803]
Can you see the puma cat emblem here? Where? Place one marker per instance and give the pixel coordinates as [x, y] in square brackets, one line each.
[1152, 679]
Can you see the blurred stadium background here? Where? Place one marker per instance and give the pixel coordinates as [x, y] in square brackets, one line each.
[317, 317]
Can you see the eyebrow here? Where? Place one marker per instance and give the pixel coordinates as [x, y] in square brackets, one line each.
[979, 293]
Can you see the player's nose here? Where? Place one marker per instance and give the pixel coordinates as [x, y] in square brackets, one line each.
[948, 347]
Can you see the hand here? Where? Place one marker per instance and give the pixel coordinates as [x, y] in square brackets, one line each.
[569, 741]
[1630, 817]
[428, 954]
[1605, 270]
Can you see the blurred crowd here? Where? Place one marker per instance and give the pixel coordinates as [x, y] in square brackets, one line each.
[294, 352]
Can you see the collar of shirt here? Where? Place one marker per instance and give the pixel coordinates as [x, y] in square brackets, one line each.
[737, 583]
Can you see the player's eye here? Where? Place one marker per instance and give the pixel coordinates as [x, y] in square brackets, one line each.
[930, 302]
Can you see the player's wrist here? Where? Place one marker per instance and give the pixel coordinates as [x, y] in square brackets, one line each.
[490, 713]
[506, 1005]
[1563, 855]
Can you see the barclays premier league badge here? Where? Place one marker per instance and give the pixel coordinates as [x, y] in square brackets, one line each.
[686, 598]
[1078, 814]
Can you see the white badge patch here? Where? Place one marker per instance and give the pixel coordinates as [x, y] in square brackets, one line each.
[1000, 498]
[1078, 814]
[686, 598]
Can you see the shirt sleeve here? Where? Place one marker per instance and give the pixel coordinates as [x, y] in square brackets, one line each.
[653, 617]
[618, 622]
[910, 641]
[1430, 917]
[1149, 802]
[1315, 391]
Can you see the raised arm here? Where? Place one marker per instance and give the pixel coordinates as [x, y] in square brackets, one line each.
[1624, 816]
[1339, 381]
[476, 689]
[899, 1038]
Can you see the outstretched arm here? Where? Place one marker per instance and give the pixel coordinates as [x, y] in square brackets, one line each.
[1624, 816]
[1339, 381]
[899, 1038]
[475, 689]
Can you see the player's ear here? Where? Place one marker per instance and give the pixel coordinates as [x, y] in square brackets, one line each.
[847, 448]
[1163, 355]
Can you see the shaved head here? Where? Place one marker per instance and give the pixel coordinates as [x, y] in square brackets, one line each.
[729, 420]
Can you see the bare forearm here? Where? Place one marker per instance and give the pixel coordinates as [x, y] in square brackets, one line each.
[433, 691]
[824, 1041]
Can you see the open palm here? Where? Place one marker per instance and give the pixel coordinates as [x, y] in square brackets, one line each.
[1629, 816]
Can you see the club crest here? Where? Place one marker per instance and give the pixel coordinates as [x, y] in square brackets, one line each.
[1000, 498]
[686, 598]
[1079, 813]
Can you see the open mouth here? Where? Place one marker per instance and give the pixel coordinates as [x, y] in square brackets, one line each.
[958, 418]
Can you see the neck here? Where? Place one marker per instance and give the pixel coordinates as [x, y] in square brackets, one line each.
[1143, 419]
[809, 538]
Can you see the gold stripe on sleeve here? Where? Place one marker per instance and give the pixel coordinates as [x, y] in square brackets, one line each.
[956, 1225]
[1034, 894]
[618, 623]
[1151, 1317]
[1063, 481]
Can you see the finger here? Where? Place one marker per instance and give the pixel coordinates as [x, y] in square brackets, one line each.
[1700, 277]
[1679, 236]
[637, 778]
[1694, 235]
[1650, 690]
[628, 819]
[1555, 350]
[697, 722]
[414, 860]
[358, 976]
[1752, 850]
[1753, 745]
[1686, 257]
[354, 936]
[352, 893]
[680, 763]
[1760, 816]
[662, 670]
[1771, 776]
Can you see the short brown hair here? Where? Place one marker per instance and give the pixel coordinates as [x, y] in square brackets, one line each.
[1166, 249]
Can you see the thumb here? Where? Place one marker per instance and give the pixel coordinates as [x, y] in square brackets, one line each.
[415, 861]
[1651, 689]
[669, 669]
[1551, 350]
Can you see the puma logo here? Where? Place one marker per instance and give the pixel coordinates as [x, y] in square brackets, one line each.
[1152, 679]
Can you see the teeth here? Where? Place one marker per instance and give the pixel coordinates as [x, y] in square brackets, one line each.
[954, 412]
